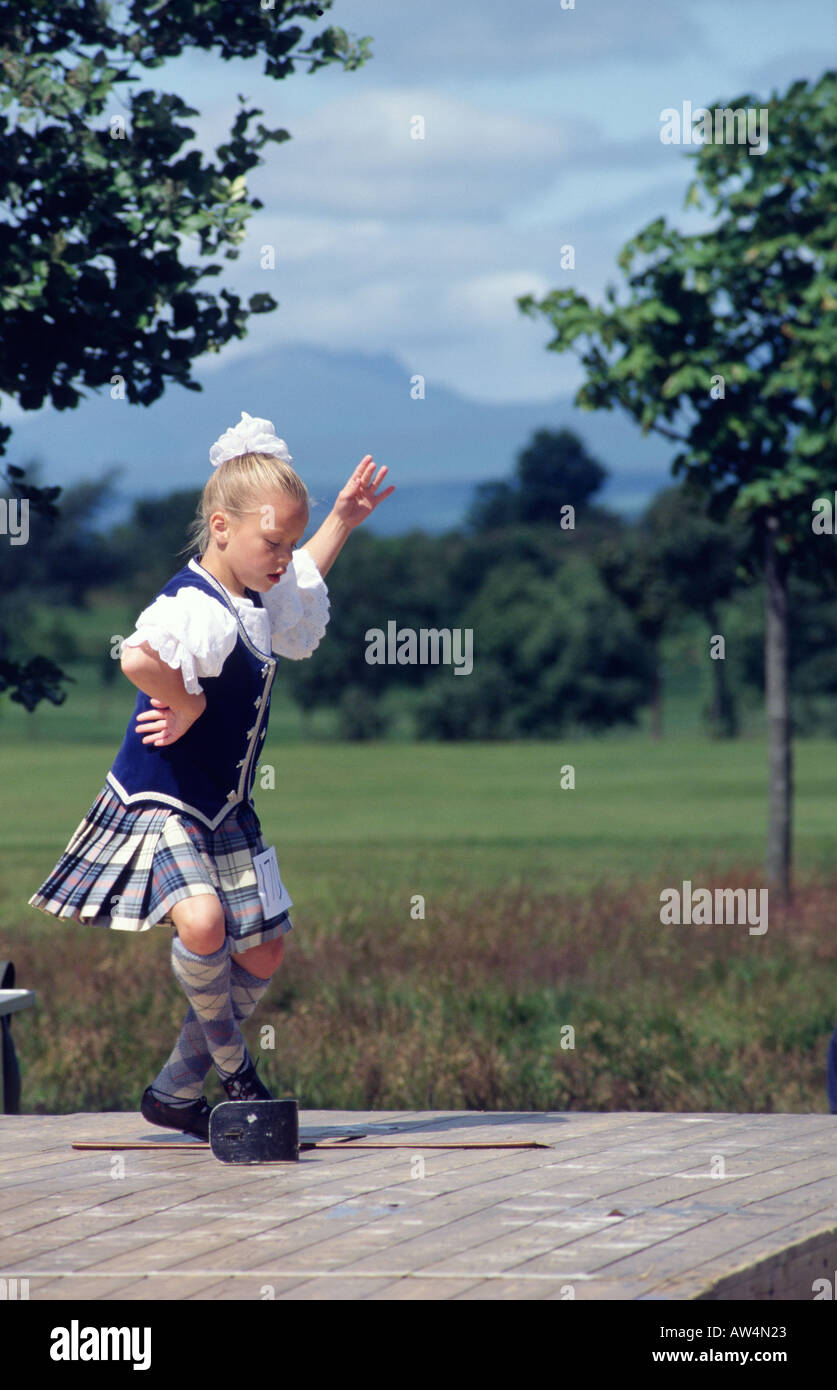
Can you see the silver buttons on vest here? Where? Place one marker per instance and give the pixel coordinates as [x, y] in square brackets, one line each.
[232, 796]
[261, 705]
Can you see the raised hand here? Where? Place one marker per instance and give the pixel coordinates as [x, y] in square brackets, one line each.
[359, 498]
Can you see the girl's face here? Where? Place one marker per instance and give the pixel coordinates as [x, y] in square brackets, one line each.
[255, 549]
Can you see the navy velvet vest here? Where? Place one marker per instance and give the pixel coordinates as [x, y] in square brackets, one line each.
[213, 766]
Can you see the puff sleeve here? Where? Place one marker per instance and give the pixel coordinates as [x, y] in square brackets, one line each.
[298, 608]
[190, 631]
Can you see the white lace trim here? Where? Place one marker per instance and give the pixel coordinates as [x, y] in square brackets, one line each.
[298, 607]
[194, 633]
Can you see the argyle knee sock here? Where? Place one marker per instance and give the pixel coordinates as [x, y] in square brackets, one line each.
[205, 980]
[182, 1077]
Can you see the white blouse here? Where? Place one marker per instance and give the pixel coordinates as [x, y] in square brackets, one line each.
[194, 633]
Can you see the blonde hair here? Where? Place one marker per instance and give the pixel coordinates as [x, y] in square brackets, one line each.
[237, 486]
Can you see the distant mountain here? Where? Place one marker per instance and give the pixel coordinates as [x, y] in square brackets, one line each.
[332, 408]
[435, 507]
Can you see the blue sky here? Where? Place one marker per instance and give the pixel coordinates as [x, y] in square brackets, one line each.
[542, 127]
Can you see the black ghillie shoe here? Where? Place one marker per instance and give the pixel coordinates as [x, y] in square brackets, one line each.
[245, 1084]
[191, 1119]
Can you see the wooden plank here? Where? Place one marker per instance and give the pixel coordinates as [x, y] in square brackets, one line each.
[79, 1288]
[244, 1290]
[476, 1219]
[325, 1239]
[799, 1251]
[790, 1274]
[412, 1288]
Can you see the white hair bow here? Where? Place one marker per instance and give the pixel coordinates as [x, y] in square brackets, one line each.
[250, 436]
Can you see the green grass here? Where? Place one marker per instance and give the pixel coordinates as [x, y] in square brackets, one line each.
[519, 999]
[458, 815]
[541, 914]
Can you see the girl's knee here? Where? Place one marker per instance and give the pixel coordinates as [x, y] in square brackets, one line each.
[200, 923]
[262, 960]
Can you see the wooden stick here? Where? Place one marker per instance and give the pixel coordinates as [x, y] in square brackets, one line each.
[189, 1145]
[422, 1144]
[140, 1144]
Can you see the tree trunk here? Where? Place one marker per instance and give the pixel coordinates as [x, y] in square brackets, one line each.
[777, 694]
[657, 703]
[723, 711]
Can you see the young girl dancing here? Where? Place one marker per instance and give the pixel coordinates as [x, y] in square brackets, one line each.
[173, 837]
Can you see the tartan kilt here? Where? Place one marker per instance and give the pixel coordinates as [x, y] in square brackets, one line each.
[126, 867]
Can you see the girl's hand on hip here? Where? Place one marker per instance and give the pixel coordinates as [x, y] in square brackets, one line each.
[164, 725]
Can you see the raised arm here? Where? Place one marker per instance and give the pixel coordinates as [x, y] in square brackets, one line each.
[326, 543]
[355, 502]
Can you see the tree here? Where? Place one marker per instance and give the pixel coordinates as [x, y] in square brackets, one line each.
[55, 558]
[37, 678]
[154, 537]
[551, 653]
[400, 578]
[632, 573]
[94, 208]
[554, 471]
[65, 555]
[675, 561]
[727, 345]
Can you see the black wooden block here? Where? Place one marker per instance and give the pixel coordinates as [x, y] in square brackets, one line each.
[255, 1131]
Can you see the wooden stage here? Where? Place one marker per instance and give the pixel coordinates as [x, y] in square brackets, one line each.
[632, 1206]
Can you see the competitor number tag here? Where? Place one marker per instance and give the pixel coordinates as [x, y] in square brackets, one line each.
[272, 891]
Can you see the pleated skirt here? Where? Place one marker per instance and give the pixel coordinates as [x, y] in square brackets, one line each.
[126, 867]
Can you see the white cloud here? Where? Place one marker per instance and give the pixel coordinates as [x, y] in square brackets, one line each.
[491, 36]
[356, 156]
[419, 247]
[488, 300]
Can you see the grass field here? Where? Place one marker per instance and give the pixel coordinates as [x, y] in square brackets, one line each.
[469, 814]
[541, 914]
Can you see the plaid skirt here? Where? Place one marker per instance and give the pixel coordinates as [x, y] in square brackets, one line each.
[126, 867]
